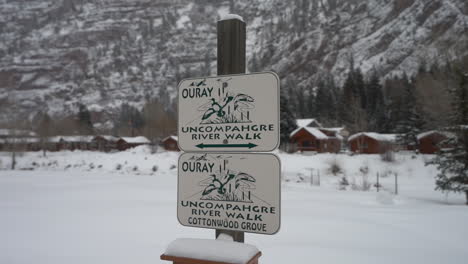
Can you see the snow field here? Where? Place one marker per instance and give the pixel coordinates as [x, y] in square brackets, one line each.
[60, 214]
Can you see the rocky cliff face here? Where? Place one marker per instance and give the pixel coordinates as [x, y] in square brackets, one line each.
[102, 53]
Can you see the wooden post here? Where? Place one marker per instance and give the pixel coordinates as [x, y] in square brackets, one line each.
[311, 177]
[396, 183]
[378, 184]
[231, 60]
[318, 174]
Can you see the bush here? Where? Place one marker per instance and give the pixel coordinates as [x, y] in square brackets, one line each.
[135, 168]
[172, 167]
[118, 167]
[155, 168]
[364, 170]
[335, 167]
[343, 183]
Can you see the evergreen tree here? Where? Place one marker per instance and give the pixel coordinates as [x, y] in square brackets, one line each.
[375, 105]
[351, 111]
[85, 126]
[411, 121]
[324, 103]
[287, 120]
[359, 87]
[452, 159]
[301, 102]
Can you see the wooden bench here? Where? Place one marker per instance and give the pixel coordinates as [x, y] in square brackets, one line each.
[181, 260]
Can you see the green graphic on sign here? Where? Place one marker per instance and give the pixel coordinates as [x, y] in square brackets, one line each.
[226, 107]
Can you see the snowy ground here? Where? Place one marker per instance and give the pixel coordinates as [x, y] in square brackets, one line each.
[82, 207]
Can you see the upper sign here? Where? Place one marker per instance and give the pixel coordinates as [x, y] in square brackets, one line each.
[229, 113]
[238, 192]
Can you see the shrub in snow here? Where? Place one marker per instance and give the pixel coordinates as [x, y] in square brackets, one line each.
[99, 166]
[335, 167]
[172, 167]
[68, 166]
[118, 167]
[364, 170]
[91, 166]
[135, 168]
[343, 183]
[388, 156]
[34, 164]
[154, 168]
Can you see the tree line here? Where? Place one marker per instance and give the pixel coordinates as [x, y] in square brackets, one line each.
[155, 120]
[396, 104]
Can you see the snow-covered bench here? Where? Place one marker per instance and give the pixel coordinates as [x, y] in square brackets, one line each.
[210, 251]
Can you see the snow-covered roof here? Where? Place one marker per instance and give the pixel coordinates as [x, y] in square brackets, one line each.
[427, 133]
[335, 130]
[306, 122]
[312, 130]
[135, 140]
[211, 250]
[20, 140]
[332, 129]
[16, 132]
[71, 138]
[108, 138]
[173, 137]
[376, 136]
[230, 16]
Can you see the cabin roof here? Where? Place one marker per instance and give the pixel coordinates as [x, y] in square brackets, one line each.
[376, 136]
[171, 137]
[306, 122]
[140, 139]
[311, 130]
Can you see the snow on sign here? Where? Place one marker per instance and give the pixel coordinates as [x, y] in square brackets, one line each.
[230, 191]
[229, 113]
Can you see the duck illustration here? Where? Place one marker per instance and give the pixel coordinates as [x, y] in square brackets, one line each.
[219, 185]
[215, 107]
[216, 184]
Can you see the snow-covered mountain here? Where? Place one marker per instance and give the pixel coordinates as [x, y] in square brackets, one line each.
[102, 53]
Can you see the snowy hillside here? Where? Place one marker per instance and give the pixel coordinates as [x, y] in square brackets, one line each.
[55, 54]
[79, 207]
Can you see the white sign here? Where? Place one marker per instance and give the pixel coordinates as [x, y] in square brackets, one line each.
[229, 113]
[230, 191]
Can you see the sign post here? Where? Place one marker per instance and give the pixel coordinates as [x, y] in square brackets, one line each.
[231, 60]
[221, 118]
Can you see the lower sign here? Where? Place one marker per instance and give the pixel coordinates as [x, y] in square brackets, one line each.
[238, 192]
